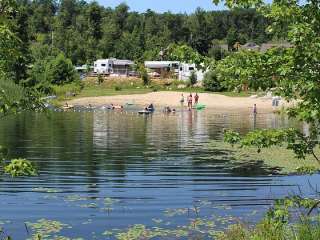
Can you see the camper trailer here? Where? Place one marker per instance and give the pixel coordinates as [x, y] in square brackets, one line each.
[113, 66]
[182, 71]
[161, 68]
[186, 70]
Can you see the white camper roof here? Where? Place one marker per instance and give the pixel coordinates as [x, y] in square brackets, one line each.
[122, 62]
[115, 61]
[160, 64]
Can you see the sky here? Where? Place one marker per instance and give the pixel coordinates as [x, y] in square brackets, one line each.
[175, 6]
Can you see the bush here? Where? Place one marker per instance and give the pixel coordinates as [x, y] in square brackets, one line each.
[100, 79]
[20, 167]
[144, 75]
[155, 88]
[193, 78]
[145, 78]
[61, 71]
[211, 82]
[118, 88]
[52, 70]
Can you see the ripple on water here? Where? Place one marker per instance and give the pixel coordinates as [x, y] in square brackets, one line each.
[103, 171]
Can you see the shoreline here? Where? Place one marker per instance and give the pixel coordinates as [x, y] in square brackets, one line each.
[172, 99]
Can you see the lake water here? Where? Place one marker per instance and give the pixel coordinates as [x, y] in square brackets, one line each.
[106, 171]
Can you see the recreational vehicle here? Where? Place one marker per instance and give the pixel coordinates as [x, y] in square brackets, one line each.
[161, 68]
[182, 71]
[113, 66]
[186, 70]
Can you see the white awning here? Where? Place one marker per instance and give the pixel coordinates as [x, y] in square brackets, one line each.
[160, 64]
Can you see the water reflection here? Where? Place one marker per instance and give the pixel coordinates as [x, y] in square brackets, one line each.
[145, 164]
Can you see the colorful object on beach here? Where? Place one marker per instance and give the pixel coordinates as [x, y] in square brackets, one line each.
[200, 106]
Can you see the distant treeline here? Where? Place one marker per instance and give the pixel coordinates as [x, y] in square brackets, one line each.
[87, 31]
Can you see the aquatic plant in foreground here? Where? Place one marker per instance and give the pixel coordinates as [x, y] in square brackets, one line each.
[20, 167]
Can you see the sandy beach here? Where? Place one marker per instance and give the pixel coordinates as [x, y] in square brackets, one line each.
[172, 99]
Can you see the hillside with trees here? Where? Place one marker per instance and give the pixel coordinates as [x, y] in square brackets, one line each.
[87, 31]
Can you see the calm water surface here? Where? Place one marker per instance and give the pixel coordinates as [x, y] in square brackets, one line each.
[105, 170]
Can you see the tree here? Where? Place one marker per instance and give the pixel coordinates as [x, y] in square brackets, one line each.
[13, 97]
[121, 14]
[95, 20]
[211, 82]
[297, 78]
[184, 53]
[87, 31]
[216, 50]
[242, 70]
[20, 28]
[232, 38]
[61, 71]
[199, 38]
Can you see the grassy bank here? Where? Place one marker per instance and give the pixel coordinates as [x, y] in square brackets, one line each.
[278, 159]
[127, 86]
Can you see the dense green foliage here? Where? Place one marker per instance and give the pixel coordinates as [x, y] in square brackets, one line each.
[279, 222]
[295, 72]
[193, 78]
[87, 31]
[211, 82]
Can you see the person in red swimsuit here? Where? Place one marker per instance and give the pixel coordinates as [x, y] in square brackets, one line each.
[190, 102]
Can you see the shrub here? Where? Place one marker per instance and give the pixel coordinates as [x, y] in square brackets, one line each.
[155, 88]
[193, 78]
[118, 88]
[100, 79]
[61, 71]
[20, 167]
[144, 75]
[145, 78]
[212, 83]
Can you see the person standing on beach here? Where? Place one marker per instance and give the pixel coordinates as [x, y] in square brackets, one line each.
[190, 102]
[182, 99]
[196, 99]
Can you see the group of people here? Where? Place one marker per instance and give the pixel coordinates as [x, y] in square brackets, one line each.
[167, 109]
[190, 99]
[149, 108]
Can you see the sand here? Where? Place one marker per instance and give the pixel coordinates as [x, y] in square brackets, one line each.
[172, 99]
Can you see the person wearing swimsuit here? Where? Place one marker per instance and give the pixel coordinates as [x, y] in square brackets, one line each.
[190, 102]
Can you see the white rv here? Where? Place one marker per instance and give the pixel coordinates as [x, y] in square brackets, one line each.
[113, 66]
[156, 68]
[186, 70]
[102, 66]
[181, 70]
